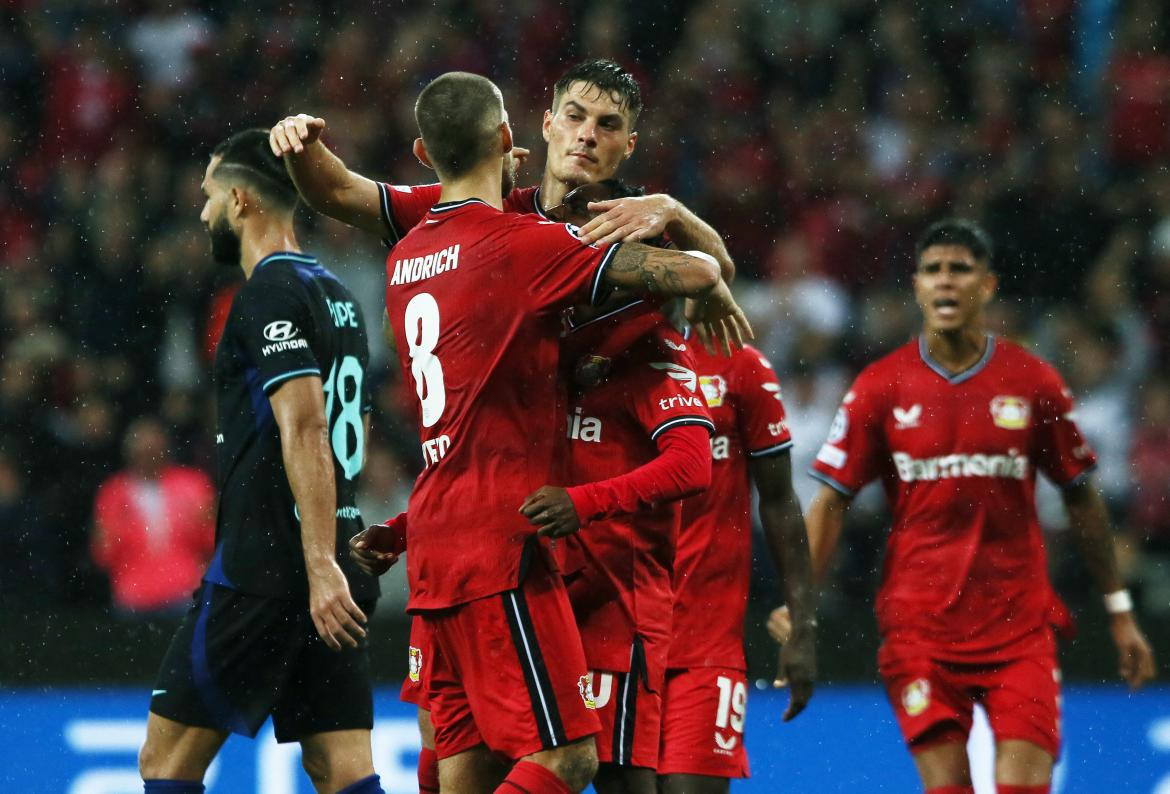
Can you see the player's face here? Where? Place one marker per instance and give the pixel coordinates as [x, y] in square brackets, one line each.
[225, 242]
[588, 135]
[951, 287]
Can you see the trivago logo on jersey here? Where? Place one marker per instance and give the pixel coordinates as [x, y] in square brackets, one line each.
[283, 336]
[945, 467]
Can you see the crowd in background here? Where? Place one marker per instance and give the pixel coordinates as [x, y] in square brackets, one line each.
[818, 136]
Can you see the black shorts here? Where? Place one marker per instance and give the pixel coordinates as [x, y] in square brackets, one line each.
[236, 658]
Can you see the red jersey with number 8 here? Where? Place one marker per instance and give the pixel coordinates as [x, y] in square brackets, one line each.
[474, 297]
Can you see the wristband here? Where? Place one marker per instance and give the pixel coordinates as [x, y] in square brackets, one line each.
[1118, 602]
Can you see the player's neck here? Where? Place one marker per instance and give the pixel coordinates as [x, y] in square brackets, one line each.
[552, 191]
[260, 241]
[483, 185]
[957, 350]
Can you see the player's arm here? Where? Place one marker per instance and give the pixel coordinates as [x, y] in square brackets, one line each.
[376, 548]
[298, 406]
[682, 468]
[322, 179]
[645, 217]
[1094, 538]
[787, 543]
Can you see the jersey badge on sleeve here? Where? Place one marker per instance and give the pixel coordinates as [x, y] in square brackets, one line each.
[906, 418]
[1010, 413]
[916, 697]
[714, 389]
[839, 427]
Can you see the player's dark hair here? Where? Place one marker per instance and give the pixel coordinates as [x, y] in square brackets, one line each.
[457, 115]
[247, 159]
[608, 77]
[957, 231]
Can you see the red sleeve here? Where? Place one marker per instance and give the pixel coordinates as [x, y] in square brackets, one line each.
[105, 510]
[1061, 452]
[763, 425]
[556, 266]
[403, 206]
[682, 468]
[662, 387]
[393, 541]
[853, 452]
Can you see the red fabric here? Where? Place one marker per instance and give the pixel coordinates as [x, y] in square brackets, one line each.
[418, 665]
[1021, 696]
[624, 696]
[486, 651]
[531, 778]
[703, 721]
[965, 571]
[394, 541]
[217, 317]
[409, 204]
[428, 771]
[1007, 788]
[713, 565]
[154, 560]
[951, 790]
[482, 354]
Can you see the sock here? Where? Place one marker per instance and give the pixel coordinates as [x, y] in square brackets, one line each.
[951, 790]
[171, 787]
[428, 771]
[367, 785]
[1007, 788]
[529, 778]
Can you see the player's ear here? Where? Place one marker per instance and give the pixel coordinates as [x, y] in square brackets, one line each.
[630, 144]
[237, 202]
[990, 284]
[546, 125]
[420, 151]
[505, 137]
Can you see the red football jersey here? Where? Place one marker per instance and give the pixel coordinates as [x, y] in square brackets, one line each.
[713, 565]
[965, 571]
[474, 296]
[618, 570]
[403, 206]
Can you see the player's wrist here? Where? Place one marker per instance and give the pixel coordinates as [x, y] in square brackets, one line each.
[1118, 603]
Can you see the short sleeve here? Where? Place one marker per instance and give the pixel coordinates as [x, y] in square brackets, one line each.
[763, 425]
[276, 329]
[664, 390]
[403, 206]
[852, 454]
[557, 267]
[1060, 450]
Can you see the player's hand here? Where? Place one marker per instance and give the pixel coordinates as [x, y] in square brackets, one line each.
[292, 134]
[1136, 659]
[365, 550]
[629, 219]
[520, 155]
[551, 509]
[717, 316]
[797, 665]
[780, 624]
[335, 615]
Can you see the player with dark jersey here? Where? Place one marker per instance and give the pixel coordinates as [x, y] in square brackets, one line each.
[277, 625]
[956, 425]
[474, 297]
[706, 682]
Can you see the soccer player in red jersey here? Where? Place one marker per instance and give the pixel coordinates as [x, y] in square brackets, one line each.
[706, 684]
[474, 298]
[956, 425]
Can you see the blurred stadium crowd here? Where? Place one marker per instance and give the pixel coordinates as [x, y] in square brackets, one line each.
[818, 136]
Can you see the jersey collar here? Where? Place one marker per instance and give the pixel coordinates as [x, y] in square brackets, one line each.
[292, 256]
[955, 378]
[448, 206]
[539, 207]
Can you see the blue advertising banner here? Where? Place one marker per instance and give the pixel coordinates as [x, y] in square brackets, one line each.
[69, 741]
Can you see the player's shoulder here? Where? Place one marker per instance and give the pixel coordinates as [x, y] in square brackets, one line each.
[891, 367]
[749, 359]
[523, 200]
[1024, 363]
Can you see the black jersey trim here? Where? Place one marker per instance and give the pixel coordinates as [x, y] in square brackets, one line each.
[1080, 479]
[540, 690]
[829, 481]
[679, 421]
[536, 203]
[574, 327]
[772, 450]
[287, 375]
[304, 259]
[599, 276]
[955, 378]
[384, 207]
[448, 206]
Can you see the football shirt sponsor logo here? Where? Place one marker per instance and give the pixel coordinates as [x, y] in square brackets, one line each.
[714, 389]
[1010, 413]
[906, 418]
[584, 428]
[720, 448]
[916, 697]
[279, 330]
[415, 663]
[777, 428]
[945, 467]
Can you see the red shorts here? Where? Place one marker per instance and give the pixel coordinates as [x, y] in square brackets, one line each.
[630, 714]
[933, 699]
[508, 671]
[702, 723]
[418, 658]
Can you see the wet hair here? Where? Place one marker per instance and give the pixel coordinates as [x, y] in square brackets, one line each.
[458, 114]
[606, 76]
[956, 231]
[246, 159]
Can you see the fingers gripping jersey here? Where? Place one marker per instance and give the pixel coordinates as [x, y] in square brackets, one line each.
[965, 568]
[619, 569]
[474, 297]
[292, 319]
[713, 565]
